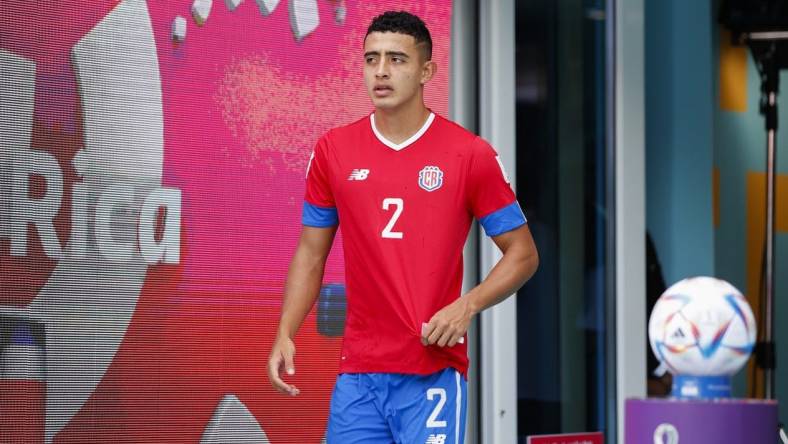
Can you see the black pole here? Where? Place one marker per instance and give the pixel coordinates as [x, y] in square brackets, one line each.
[766, 55]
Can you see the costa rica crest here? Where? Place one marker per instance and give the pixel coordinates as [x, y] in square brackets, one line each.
[430, 178]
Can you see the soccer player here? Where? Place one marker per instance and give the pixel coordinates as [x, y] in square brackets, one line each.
[404, 184]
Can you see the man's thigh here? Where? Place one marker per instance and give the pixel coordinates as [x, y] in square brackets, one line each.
[430, 409]
[354, 417]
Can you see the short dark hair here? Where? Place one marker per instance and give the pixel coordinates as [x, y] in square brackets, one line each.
[404, 23]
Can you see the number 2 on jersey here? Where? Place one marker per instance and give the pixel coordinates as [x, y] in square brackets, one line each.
[399, 204]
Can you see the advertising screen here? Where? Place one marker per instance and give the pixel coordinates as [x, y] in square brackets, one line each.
[151, 186]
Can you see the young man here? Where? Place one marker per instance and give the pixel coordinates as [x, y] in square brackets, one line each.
[405, 185]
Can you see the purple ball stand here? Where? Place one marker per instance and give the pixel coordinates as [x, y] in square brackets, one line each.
[720, 421]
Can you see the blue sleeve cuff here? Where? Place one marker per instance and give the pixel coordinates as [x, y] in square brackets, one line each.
[319, 217]
[502, 220]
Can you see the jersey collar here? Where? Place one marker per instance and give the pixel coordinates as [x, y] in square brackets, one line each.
[411, 139]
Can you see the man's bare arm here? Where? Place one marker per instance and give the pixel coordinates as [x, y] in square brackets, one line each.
[301, 290]
[518, 264]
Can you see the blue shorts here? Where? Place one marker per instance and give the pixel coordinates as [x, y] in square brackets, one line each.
[385, 408]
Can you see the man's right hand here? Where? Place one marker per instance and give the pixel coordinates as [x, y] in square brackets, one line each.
[302, 289]
[281, 360]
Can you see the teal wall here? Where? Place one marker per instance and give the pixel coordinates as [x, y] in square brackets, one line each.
[679, 135]
[687, 135]
[740, 147]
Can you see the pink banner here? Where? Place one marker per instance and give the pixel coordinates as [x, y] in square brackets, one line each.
[151, 187]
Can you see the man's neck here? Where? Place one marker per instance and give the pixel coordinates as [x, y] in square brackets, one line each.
[398, 125]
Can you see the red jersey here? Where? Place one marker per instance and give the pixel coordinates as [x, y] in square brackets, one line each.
[405, 211]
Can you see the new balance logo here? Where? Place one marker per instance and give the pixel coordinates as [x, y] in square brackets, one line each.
[436, 439]
[358, 174]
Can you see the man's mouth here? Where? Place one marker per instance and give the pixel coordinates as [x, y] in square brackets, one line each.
[382, 90]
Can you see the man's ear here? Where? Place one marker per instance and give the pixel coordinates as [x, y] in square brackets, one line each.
[428, 71]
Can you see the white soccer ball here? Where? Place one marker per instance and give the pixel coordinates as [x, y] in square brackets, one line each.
[702, 326]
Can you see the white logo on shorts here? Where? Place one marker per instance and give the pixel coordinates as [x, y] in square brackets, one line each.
[436, 439]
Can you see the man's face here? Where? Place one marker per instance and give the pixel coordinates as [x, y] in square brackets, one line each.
[394, 69]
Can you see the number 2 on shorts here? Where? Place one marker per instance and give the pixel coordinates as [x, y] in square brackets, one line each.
[432, 420]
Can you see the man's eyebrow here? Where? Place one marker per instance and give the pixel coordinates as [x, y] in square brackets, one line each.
[387, 53]
[397, 53]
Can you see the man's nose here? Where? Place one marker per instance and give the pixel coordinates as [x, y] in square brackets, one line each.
[382, 70]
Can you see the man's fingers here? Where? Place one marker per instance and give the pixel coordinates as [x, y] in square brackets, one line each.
[429, 333]
[278, 363]
[445, 338]
[282, 386]
[426, 329]
[432, 333]
[289, 366]
[273, 374]
[434, 336]
[457, 338]
[441, 335]
[292, 390]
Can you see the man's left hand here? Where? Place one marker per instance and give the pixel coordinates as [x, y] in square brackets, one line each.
[448, 326]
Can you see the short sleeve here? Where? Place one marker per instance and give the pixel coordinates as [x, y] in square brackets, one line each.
[490, 196]
[319, 207]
